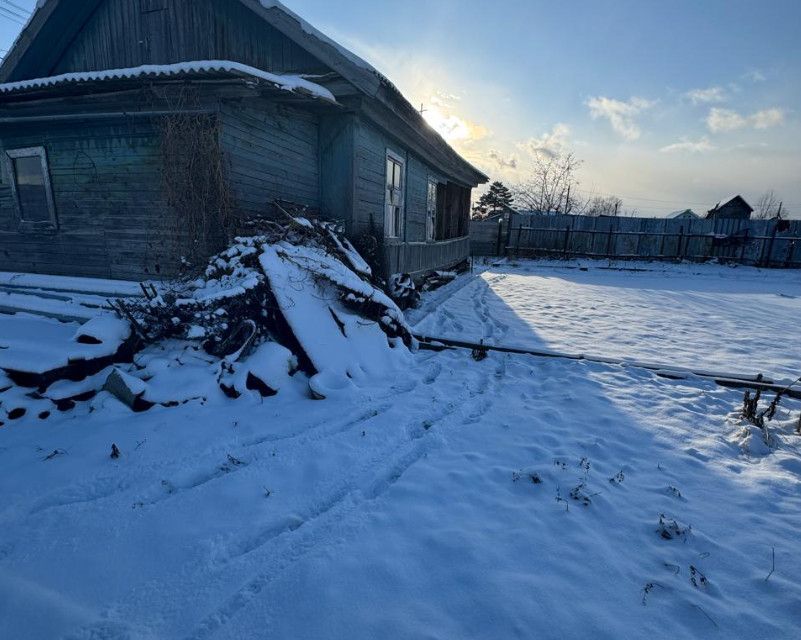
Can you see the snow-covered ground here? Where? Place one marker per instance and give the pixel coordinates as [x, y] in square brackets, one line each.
[510, 497]
[716, 318]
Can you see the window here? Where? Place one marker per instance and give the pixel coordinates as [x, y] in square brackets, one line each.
[431, 211]
[30, 184]
[393, 217]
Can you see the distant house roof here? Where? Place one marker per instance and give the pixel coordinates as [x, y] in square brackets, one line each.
[54, 23]
[738, 200]
[683, 213]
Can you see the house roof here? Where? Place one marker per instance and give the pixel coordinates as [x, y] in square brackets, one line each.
[729, 200]
[57, 21]
[682, 212]
[202, 68]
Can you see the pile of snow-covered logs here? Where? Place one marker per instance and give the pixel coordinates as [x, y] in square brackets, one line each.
[301, 285]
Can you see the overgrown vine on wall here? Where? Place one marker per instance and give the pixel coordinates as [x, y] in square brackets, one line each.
[196, 185]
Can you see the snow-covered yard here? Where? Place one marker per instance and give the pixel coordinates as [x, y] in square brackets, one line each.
[508, 497]
[718, 318]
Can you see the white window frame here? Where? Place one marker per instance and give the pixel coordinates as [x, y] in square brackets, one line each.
[32, 152]
[431, 209]
[391, 224]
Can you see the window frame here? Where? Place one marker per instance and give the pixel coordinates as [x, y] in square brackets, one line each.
[432, 208]
[32, 152]
[389, 229]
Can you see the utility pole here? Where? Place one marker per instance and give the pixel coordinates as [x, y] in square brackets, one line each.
[779, 213]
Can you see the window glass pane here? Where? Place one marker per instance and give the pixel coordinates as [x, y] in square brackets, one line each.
[390, 167]
[30, 183]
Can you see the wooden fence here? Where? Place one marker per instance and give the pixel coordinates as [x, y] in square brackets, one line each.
[756, 242]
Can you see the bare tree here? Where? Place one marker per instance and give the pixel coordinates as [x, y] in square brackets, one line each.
[768, 206]
[552, 187]
[604, 206]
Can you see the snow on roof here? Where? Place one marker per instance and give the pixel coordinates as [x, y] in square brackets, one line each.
[682, 212]
[292, 83]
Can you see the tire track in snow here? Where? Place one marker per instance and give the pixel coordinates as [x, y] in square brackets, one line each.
[305, 535]
[326, 522]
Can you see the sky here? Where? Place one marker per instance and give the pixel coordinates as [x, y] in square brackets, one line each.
[669, 105]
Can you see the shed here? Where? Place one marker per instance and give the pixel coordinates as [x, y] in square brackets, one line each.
[138, 134]
[734, 207]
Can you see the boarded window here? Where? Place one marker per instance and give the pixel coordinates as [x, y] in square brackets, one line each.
[393, 219]
[30, 181]
[453, 211]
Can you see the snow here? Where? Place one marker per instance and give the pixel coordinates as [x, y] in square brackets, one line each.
[105, 328]
[64, 308]
[293, 83]
[99, 286]
[341, 345]
[742, 320]
[404, 509]
[272, 364]
[37, 345]
[445, 498]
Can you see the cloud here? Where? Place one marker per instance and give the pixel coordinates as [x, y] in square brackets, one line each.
[704, 96]
[767, 118]
[754, 75]
[720, 120]
[503, 163]
[689, 146]
[454, 128]
[550, 143]
[724, 120]
[621, 115]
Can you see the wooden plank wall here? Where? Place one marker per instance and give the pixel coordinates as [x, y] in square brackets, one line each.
[547, 235]
[418, 258]
[113, 219]
[336, 169]
[129, 33]
[410, 254]
[370, 148]
[273, 154]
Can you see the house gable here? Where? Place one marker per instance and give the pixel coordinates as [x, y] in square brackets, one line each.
[129, 33]
[735, 207]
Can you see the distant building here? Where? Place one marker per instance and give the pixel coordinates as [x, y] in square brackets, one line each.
[734, 208]
[684, 214]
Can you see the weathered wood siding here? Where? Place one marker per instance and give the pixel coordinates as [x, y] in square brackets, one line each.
[370, 166]
[129, 33]
[336, 169]
[418, 258]
[113, 221]
[273, 154]
[410, 253]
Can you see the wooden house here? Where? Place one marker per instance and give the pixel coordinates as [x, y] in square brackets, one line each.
[732, 208]
[137, 133]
